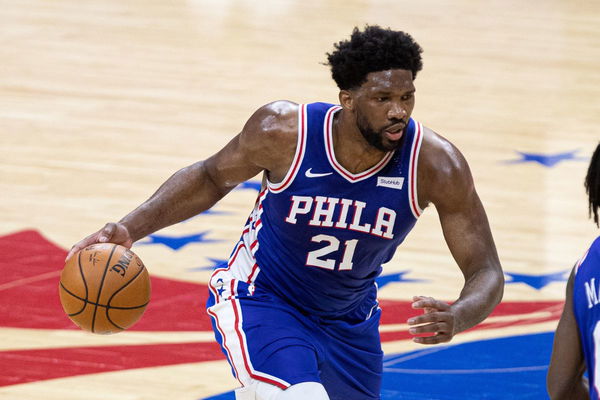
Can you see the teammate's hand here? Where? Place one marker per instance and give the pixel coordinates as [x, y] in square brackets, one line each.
[437, 319]
[111, 233]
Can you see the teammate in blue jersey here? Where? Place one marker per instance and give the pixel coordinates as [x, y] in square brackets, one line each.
[577, 339]
[295, 309]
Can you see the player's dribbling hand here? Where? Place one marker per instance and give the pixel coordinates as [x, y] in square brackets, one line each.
[111, 233]
[437, 319]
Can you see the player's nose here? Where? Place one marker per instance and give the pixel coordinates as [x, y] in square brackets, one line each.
[396, 111]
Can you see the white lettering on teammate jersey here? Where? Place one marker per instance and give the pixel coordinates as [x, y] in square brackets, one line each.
[592, 294]
[323, 209]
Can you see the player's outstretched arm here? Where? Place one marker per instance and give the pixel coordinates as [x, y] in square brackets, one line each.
[266, 143]
[565, 378]
[445, 180]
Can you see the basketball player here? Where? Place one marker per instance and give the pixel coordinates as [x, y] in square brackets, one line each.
[296, 310]
[578, 333]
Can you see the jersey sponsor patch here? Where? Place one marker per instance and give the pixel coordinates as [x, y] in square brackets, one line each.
[391, 182]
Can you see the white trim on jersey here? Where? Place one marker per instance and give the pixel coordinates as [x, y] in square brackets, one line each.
[229, 321]
[581, 260]
[241, 265]
[298, 156]
[230, 354]
[413, 197]
[250, 234]
[350, 177]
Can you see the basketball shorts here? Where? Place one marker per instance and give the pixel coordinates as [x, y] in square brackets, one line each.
[266, 339]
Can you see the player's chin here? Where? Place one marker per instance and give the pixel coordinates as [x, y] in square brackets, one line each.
[390, 145]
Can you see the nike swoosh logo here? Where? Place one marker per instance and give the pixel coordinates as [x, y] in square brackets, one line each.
[310, 174]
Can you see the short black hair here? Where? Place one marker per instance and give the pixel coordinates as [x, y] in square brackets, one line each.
[592, 184]
[372, 50]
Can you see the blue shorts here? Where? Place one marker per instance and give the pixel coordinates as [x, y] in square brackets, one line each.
[267, 339]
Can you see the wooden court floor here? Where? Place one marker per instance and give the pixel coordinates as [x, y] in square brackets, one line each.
[101, 101]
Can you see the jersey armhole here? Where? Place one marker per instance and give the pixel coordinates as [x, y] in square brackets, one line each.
[413, 197]
[298, 156]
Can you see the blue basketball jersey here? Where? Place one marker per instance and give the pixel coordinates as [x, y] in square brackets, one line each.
[318, 238]
[586, 305]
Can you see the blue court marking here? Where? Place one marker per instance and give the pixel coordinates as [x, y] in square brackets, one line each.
[506, 368]
[547, 160]
[538, 282]
[216, 263]
[397, 277]
[178, 242]
[224, 396]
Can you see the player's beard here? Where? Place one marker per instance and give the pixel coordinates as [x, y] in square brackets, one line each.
[374, 138]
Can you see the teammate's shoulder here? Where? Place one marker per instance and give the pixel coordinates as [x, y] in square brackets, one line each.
[592, 251]
[595, 247]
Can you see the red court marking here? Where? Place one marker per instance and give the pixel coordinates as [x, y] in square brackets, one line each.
[30, 266]
[398, 312]
[35, 365]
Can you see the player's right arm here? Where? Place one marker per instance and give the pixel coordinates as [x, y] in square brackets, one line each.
[266, 143]
[565, 378]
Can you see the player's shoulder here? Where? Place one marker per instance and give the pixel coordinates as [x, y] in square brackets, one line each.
[440, 158]
[273, 119]
[270, 135]
[443, 173]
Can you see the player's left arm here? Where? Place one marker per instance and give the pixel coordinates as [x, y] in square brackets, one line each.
[565, 378]
[445, 180]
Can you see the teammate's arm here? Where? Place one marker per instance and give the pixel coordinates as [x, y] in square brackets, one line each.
[444, 179]
[565, 378]
[266, 143]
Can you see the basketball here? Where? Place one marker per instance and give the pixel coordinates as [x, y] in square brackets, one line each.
[104, 288]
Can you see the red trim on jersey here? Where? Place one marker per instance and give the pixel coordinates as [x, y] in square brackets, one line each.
[245, 356]
[299, 153]
[237, 251]
[413, 172]
[251, 276]
[260, 194]
[331, 155]
[231, 289]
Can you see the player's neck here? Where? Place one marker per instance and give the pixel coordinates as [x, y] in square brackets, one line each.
[351, 149]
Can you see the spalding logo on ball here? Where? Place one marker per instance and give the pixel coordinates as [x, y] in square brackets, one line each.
[104, 288]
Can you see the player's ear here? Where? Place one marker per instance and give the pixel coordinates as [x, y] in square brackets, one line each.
[346, 99]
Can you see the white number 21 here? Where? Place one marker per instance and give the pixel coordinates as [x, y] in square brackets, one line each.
[333, 244]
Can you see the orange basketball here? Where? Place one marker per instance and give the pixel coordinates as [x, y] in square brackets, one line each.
[104, 288]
